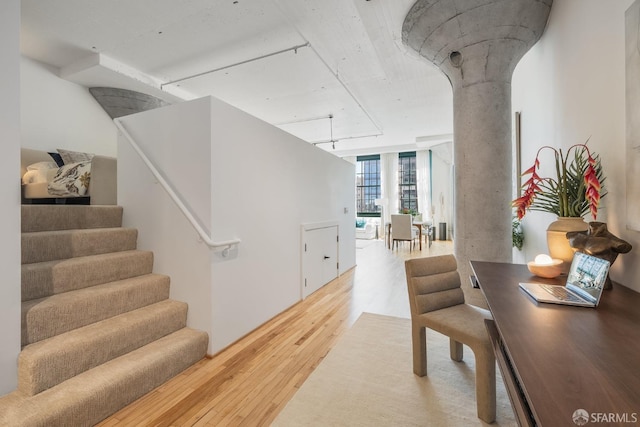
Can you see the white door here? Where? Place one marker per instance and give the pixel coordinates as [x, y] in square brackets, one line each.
[319, 258]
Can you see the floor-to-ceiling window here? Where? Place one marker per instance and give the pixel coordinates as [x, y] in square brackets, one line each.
[407, 188]
[368, 185]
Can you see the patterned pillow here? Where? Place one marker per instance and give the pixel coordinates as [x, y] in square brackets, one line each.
[71, 180]
[74, 156]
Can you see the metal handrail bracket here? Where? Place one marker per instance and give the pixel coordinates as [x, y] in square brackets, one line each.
[204, 236]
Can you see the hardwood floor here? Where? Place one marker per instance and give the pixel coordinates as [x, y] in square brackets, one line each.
[250, 382]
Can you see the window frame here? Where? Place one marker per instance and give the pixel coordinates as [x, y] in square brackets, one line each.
[363, 190]
[412, 185]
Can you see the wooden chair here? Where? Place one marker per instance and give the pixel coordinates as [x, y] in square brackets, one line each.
[437, 302]
[402, 229]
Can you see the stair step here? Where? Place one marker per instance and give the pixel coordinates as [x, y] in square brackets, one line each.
[90, 397]
[49, 362]
[46, 317]
[69, 217]
[98, 329]
[54, 245]
[47, 278]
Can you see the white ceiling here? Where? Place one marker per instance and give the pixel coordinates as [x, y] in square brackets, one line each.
[351, 63]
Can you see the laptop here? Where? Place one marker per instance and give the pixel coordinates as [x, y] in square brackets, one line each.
[585, 282]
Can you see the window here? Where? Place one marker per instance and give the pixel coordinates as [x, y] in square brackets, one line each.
[368, 185]
[407, 188]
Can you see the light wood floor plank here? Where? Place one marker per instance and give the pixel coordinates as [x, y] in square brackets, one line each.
[252, 380]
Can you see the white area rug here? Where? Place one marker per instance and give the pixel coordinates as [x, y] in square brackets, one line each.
[367, 380]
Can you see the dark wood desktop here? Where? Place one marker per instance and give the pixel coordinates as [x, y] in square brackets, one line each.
[557, 359]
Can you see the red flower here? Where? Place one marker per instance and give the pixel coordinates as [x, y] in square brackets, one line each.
[559, 196]
[523, 202]
[592, 187]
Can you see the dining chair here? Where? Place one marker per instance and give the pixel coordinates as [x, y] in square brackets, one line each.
[403, 230]
[437, 302]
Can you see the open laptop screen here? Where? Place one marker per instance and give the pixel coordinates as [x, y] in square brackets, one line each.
[587, 276]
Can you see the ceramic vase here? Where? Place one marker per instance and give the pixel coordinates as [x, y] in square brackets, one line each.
[557, 241]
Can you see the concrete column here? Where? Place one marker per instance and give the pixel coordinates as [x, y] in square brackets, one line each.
[477, 44]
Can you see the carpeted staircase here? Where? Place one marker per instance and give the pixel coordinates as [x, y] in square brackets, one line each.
[98, 327]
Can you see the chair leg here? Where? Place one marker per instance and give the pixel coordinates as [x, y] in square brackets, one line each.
[486, 385]
[455, 350]
[419, 344]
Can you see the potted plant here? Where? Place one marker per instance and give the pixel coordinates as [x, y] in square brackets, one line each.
[575, 190]
[517, 235]
[408, 211]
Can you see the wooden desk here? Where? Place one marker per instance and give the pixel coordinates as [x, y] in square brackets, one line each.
[565, 358]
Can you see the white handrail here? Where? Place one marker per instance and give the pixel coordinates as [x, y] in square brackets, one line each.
[227, 244]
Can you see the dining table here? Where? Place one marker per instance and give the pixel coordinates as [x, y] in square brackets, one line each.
[418, 224]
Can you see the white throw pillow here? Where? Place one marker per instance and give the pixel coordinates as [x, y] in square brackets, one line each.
[41, 166]
[34, 177]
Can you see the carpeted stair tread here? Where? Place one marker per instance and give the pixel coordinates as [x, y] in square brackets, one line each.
[49, 362]
[98, 327]
[68, 217]
[54, 245]
[88, 398]
[50, 316]
[54, 277]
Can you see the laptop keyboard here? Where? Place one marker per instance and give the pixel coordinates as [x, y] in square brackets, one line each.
[561, 293]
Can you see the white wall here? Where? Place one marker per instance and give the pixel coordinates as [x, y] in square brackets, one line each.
[265, 184]
[9, 193]
[569, 87]
[162, 228]
[293, 183]
[59, 114]
[442, 185]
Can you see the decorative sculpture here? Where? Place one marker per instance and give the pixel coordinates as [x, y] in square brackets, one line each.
[599, 242]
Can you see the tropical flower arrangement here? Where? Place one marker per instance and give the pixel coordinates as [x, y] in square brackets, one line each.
[576, 189]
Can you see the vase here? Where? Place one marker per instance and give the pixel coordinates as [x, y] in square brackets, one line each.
[557, 241]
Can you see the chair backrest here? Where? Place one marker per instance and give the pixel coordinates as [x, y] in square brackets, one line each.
[401, 227]
[433, 283]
